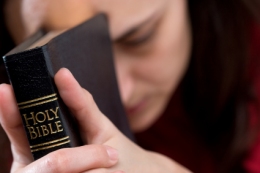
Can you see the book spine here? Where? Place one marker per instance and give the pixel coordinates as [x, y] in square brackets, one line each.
[46, 120]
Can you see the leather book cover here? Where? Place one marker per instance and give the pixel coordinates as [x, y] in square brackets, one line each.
[86, 51]
[48, 126]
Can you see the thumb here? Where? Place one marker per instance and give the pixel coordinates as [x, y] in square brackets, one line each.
[96, 128]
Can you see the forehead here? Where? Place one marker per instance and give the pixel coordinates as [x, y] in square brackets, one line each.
[62, 14]
[124, 13]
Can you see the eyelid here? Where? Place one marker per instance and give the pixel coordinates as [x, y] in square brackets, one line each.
[135, 41]
[141, 34]
[151, 21]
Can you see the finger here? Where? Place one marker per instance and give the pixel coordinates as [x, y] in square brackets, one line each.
[12, 124]
[77, 159]
[91, 120]
[102, 170]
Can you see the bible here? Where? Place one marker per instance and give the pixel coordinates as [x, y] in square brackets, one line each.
[86, 50]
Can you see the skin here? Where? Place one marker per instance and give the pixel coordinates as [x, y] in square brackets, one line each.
[151, 48]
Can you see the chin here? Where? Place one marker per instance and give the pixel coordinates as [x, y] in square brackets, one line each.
[136, 128]
[142, 122]
[144, 117]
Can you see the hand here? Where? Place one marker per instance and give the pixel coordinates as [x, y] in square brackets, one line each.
[108, 149]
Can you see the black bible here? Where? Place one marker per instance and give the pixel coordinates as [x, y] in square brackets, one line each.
[86, 51]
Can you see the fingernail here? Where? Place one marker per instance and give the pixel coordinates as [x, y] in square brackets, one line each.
[112, 153]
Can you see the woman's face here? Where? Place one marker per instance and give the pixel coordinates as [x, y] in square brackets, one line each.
[151, 41]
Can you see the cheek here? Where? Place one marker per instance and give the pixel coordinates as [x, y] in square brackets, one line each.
[167, 62]
[162, 72]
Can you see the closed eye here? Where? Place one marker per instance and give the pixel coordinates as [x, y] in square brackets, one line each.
[137, 39]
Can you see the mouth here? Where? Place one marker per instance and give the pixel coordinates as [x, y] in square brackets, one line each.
[136, 108]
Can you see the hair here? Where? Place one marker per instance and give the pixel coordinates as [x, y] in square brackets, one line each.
[6, 42]
[217, 87]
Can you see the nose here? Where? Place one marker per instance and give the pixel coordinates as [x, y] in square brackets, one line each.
[125, 79]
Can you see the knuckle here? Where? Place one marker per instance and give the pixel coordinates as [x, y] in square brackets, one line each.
[56, 161]
[89, 96]
[88, 102]
[99, 150]
[100, 155]
[90, 99]
[100, 170]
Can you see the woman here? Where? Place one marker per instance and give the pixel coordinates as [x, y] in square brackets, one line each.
[190, 55]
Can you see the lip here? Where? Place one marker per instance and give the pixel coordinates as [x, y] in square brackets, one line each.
[136, 108]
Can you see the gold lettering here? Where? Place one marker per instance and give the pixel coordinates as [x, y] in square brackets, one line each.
[45, 131]
[55, 112]
[39, 132]
[31, 118]
[32, 132]
[48, 116]
[52, 132]
[37, 118]
[59, 126]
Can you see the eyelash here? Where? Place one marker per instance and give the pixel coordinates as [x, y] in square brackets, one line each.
[138, 41]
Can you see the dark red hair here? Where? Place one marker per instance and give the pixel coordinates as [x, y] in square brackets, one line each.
[217, 86]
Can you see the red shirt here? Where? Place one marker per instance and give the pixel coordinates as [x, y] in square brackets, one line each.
[174, 136]
[252, 162]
